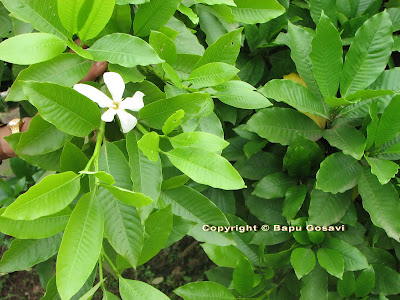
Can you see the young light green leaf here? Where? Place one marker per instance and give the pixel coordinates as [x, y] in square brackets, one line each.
[243, 277]
[315, 284]
[303, 261]
[281, 125]
[149, 144]
[206, 167]
[216, 2]
[383, 169]
[153, 15]
[204, 290]
[327, 43]
[332, 261]
[273, 186]
[389, 124]
[257, 11]
[48, 197]
[346, 286]
[131, 289]
[368, 54]
[381, 202]
[228, 256]
[31, 48]
[24, 254]
[365, 282]
[93, 18]
[116, 48]
[68, 11]
[348, 139]
[173, 121]
[172, 75]
[212, 74]
[296, 95]
[101, 175]
[80, 246]
[128, 197]
[338, 173]
[199, 139]
[64, 107]
[89, 294]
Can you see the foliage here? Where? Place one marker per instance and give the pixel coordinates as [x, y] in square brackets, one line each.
[275, 115]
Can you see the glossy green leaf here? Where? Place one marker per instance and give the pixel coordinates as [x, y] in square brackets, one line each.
[153, 15]
[128, 74]
[64, 107]
[281, 125]
[332, 261]
[49, 196]
[257, 11]
[66, 69]
[368, 54]
[204, 290]
[206, 167]
[72, 158]
[80, 246]
[329, 8]
[373, 126]
[327, 208]
[173, 121]
[338, 173]
[212, 74]
[389, 124]
[68, 11]
[383, 169]
[348, 139]
[149, 144]
[101, 175]
[315, 284]
[31, 48]
[199, 139]
[303, 261]
[228, 256]
[365, 282]
[243, 277]
[92, 291]
[346, 286]
[294, 198]
[116, 48]
[131, 289]
[128, 197]
[216, 2]
[274, 186]
[164, 46]
[296, 95]
[381, 202]
[327, 43]
[24, 254]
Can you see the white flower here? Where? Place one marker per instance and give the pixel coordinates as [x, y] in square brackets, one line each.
[117, 105]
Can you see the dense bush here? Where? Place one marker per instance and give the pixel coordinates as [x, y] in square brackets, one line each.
[308, 162]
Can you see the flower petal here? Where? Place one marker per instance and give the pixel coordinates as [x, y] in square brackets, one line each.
[109, 115]
[115, 85]
[134, 103]
[128, 122]
[93, 94]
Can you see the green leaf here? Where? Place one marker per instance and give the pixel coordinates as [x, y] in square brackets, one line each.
[346, 286]
[353, 258]
[338, 173]
[122, 226]
[117, 48]
[128, 74]
[68, 11]
[212, 74]
[387, 281]
[281, 125]
[228, 256]
[204, 290]
[315, 285]
[257, 11]
[93, 17]
[64, 107]
[273, 186]
[327, 43]
[72, 159]
[128, 197]
[294, 198]
[241, 95]
[381, 202]
[31, 48]
[43, 17]
[149, 144]
[327, 6]
[66, 69]
[226, 49]
[216, 2]
[373, 126]
[199, 139]
[332, 261]
[131, 289]
[173, 121]
[243, 277]
[35, 229]
[158, 227]
[206, 167]
[41, 138]
[158, 112]
[303, 261]
[92, 291]
[368, 54]
[363, 95]
[348, 139]
[80, 246]
[153, 15]
[389, 124]
[365, 282]
[24, 254]
[383, 169]
[326, 208]
[49, 196]
[296, 95]
[164, 46]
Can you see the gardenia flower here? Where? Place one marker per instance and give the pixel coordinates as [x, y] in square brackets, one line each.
[117, 105]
